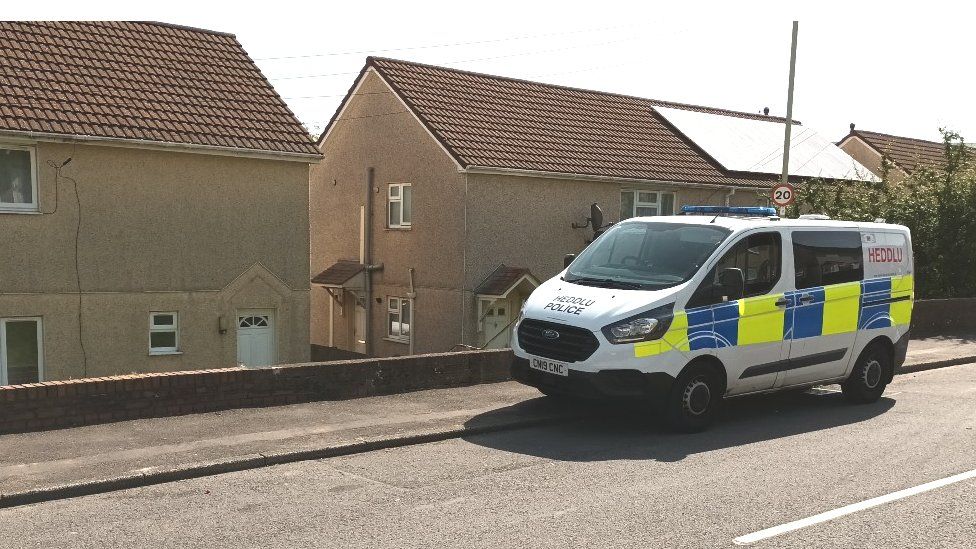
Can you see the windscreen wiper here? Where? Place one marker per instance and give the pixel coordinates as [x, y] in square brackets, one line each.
[590, 281]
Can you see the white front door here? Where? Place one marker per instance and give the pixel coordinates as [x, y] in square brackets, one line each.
[497, 320]
[255, 338]
[360, 328]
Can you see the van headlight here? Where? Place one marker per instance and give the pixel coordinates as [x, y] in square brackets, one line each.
[645, 326]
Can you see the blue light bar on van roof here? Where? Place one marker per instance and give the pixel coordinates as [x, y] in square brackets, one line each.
[729, 210]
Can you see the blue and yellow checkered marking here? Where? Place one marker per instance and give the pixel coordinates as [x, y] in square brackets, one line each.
[828, 310]
[761, 320]
[875, 315]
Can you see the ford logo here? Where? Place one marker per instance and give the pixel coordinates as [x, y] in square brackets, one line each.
[550, 334]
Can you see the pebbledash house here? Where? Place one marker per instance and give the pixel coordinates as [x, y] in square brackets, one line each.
[444, 197]
[153, 204]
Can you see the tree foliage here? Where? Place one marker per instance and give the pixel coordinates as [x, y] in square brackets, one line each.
[937, 203]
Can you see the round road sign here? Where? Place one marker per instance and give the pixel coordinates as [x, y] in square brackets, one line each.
[783, 195]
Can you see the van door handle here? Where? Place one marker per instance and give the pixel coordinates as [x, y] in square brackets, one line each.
[806, 299]
[782, 302]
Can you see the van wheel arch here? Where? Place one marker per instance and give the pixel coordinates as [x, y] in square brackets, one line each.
[712, 363]
[885, 343]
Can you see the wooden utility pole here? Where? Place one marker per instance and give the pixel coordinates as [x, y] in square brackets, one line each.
[789, 113]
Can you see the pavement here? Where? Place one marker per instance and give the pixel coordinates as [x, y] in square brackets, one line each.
[50, 465]
[607, 480]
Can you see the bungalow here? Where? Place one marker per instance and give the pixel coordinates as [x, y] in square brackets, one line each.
[904, 154]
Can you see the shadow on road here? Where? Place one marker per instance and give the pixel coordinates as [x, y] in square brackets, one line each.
[609, 432]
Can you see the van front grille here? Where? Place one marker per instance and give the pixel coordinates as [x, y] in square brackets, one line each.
[570, 344]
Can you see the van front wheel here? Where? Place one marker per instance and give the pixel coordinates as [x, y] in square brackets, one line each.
[694, 397]
[869, 377]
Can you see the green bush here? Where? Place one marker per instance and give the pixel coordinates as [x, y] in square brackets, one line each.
[937, 203]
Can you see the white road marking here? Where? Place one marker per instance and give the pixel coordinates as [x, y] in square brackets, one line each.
[749, 539]
[819, 390]
[825, 390]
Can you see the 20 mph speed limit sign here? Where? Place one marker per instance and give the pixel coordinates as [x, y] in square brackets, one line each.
[783, 195]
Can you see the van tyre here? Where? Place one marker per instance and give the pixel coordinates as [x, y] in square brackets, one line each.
[693, 400]
[869, 377]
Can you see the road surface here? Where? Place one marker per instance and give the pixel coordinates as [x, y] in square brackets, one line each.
[605, 481]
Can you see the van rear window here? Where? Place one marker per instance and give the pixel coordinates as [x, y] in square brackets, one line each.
[822, 258]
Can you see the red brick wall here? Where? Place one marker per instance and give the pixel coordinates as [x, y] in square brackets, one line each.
[56, 404]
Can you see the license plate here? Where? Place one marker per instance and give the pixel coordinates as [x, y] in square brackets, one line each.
[549, 366]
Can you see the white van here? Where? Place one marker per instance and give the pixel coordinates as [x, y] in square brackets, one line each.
[684, 310]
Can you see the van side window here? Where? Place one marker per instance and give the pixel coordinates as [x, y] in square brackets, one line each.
[822, 258]
[760, 256]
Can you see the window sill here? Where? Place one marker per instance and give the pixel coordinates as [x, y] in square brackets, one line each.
[19, 212]
[165, 353]
[397, 340]
[398, 228]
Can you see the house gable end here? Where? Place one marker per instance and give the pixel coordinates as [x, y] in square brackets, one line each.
[348, 103]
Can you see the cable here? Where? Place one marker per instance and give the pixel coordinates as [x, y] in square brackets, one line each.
[822, 149]
[779, 152]
[369, 115]
[336, 95]
[520, 54]
[57, 184]
[444, 45]
[81, 337]
[539, 75]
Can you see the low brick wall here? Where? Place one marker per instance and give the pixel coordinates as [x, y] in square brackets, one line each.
[56, 404]
[933, 317]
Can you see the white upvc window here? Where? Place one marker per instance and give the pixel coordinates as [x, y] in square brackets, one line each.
[18, 179]
[21, 351]
[400, 205]
[164, 333]
[398, 319]
[641, 203]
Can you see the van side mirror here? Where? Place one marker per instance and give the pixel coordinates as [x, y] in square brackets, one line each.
[731, 284]
[567, 259]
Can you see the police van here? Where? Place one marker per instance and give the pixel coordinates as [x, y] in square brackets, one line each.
[683, 311]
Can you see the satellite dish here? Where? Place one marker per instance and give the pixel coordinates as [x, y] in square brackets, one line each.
[596, 217]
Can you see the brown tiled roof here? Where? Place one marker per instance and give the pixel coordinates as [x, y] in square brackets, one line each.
[497, 122]
[141, 81]
[338, 273]
[501, 280]
[907, 153]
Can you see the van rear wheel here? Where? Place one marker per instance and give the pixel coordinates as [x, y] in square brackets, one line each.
[694, 397]
[869, 377]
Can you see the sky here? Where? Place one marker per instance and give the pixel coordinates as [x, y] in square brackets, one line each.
[883, 67]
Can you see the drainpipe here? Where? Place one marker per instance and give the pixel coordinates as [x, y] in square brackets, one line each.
[728, 197]
[412, 297]
[367, 258]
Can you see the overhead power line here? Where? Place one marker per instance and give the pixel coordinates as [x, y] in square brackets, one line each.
[445, 45]
[540, 75]
[459, 61]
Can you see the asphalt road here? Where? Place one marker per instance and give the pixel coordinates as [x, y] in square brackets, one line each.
[606, 481]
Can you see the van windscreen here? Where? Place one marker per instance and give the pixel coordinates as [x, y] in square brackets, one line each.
[646, 255]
